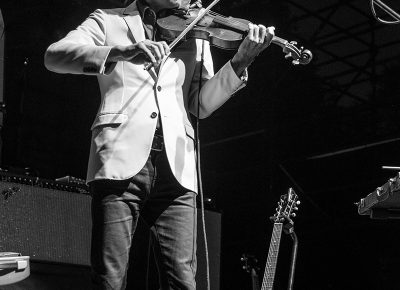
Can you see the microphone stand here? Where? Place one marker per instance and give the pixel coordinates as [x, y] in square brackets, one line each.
[289, 229]
[2, 102]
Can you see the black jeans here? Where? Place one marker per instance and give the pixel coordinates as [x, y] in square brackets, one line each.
[167, 208]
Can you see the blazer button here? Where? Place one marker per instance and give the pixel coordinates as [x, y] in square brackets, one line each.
[153, 115]
[159, 88]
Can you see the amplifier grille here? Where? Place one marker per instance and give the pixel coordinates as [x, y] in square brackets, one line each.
[45, 224]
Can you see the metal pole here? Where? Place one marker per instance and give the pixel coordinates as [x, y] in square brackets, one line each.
[387, 9]
[293, 259]
[2, 104]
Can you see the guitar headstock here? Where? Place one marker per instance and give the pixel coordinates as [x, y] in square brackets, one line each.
[298, 55]
[286, 206]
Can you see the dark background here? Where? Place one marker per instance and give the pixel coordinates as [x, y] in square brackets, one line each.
[324, 129]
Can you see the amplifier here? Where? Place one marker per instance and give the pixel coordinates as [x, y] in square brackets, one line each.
[51, 223]
[46, 224]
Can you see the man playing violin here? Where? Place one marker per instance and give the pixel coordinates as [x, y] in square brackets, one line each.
[142, 160]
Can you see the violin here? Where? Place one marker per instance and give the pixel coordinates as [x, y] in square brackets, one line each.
[223, 32]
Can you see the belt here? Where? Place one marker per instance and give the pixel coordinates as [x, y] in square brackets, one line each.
[158, 141]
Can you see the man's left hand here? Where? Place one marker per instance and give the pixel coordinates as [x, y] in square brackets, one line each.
[258, 39]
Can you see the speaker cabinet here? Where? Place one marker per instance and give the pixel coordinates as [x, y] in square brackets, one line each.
[48, 225]
[53, 227]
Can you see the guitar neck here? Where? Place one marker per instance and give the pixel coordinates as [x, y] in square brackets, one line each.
[254, 280]
[269, 273]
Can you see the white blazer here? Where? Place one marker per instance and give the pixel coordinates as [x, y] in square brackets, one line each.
[133, 98]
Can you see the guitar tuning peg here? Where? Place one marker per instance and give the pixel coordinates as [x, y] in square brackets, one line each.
[293, 215]
[298, 202]
[296, 208]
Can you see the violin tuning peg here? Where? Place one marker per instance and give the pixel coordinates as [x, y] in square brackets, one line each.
[295, 62]
[288, 55]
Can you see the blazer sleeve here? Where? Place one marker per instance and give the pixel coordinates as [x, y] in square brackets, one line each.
[216, 88]
[81, 51]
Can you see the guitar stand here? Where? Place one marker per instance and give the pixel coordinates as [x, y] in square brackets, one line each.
[289, 229]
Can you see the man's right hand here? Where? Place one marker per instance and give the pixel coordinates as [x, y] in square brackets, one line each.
[140, 52]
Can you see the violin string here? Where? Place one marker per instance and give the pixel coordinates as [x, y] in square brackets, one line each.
[239, 25]
[225, 19]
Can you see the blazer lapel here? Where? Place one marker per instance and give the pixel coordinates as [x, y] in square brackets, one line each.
[134, 22]
[135, 25]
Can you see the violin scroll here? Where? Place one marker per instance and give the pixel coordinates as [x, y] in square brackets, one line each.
[299, 55]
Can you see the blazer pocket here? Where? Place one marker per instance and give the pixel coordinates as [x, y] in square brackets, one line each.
[109, 119]
[189, 131]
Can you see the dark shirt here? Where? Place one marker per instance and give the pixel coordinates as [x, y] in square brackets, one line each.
[149, 18]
